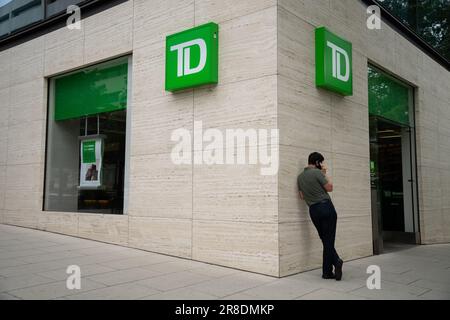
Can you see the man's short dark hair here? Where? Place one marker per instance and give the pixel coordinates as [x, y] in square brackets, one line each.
[315, 157]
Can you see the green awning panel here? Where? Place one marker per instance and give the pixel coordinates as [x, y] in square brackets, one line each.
[388, 98]
[98, 89]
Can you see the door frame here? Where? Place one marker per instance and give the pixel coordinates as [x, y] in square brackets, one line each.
[377, 229]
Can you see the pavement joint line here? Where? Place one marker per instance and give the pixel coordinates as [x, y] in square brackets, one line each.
[40, 275]
[85, 291]
[54, 260]
[405, 271]
[85, 264]
[171, 272]
[429, 290]
[21, 274]
[56, 281]
[411, 284]
[356, 289]
[116, 284]
[236, 292]
[184, 287]
[35, 285]
[314, 290]
[350, 291]
[104, 284]
[228, 295]
[232, 294]
[14, 296]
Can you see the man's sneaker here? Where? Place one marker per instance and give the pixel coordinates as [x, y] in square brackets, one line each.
[338, 270]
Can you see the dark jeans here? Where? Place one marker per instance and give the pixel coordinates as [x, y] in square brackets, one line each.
[324, 217]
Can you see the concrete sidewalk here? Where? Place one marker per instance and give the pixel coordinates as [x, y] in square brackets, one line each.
[33, 266]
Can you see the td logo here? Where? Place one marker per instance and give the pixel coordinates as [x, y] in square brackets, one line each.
[192, 57]
[333, 62]
[184, 50]
[336, 62]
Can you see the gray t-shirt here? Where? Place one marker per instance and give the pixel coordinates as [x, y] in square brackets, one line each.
[311, 183]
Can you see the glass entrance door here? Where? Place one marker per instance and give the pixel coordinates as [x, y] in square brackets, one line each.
[392, 182]
[392, 161]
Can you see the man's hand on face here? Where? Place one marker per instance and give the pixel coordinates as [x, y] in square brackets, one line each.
[324, 169]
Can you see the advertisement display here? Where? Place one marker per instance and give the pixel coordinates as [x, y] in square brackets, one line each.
[91, 162]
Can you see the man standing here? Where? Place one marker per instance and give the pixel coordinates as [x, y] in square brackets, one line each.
[314, 185]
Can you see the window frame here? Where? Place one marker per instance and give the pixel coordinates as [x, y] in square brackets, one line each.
[50, 106]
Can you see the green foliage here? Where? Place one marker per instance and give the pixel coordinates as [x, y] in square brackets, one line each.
[388, 98]
[428, 18]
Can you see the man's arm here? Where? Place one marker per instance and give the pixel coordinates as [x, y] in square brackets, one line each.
[329, 185]
[325, 180]
[300, 193]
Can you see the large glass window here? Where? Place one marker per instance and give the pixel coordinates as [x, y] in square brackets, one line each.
[86, 138]
[388, 97]
[429, 19]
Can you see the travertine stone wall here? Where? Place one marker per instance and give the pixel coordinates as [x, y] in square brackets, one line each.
[227, 215]
[221, 214]
[312, 119]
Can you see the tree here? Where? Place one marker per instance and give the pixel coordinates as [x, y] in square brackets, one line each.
[428, 18]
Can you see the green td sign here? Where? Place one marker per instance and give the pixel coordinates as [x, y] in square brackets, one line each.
[192, 57]
[333, 62]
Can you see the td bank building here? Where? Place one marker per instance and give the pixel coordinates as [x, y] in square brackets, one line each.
[180, 127]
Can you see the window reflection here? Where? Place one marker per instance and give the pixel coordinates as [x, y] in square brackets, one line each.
[429, 19]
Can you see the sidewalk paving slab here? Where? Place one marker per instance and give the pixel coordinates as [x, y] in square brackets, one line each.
[88, 270]
[33, 265]
[231, 284]
[326, 294]
[180, 294]
[126, 291]
[123, 276]
[174, 280]
[23, 281]
[53, 290]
